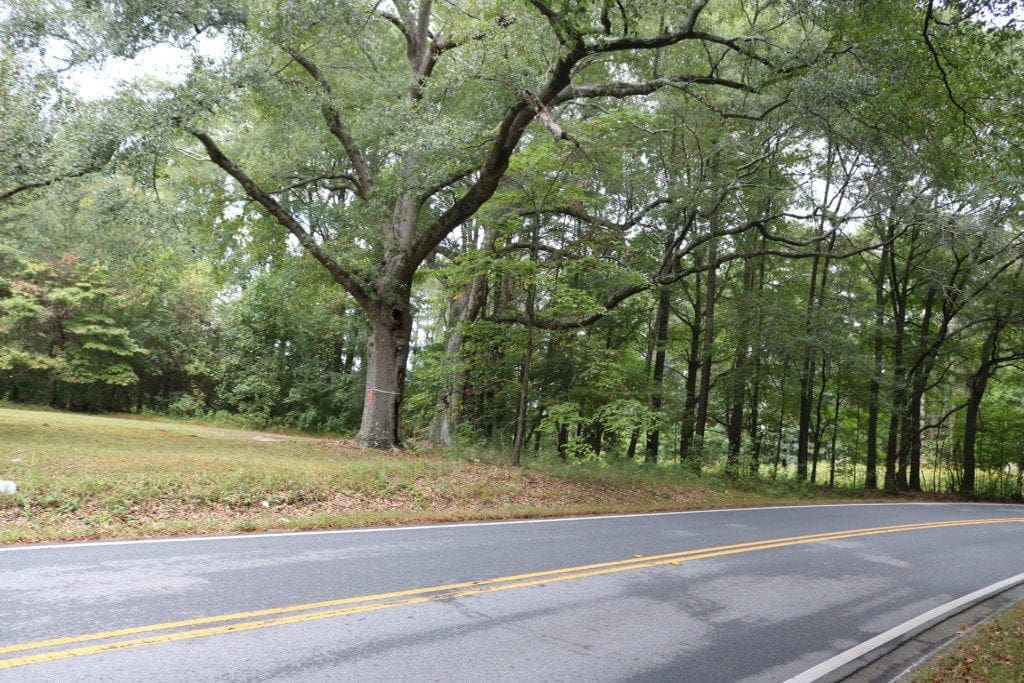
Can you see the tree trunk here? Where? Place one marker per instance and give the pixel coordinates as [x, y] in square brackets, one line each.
[977, 384]
[754, 430]
[913, 448]
[463, 310]
[971, 436]
[704, 395]
[594, 434]
[819, 429]
[524, 391]
[832, 446]
[807, 375]
[688, 423]
[387, 352]
[893, 481]
[871, 474]
[524, 376]
[738, 384]
[634, 438]
[661, 339]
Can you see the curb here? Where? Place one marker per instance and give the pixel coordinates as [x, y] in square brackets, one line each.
[857, 656]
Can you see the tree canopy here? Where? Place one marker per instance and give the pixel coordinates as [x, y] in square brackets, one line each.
[739, 230]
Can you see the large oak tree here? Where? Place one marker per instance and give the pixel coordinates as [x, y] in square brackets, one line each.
[372, 132]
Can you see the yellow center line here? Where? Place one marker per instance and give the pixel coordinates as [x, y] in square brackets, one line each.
[419, 591]
[369, 603]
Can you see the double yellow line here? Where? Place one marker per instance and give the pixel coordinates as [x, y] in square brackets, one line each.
[122, 639]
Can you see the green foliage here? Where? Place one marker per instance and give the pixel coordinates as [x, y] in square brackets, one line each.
[282, 361]
[61, 337]
[842, 144]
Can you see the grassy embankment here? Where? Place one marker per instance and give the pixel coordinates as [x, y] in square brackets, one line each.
[82, 476]
[994, 653]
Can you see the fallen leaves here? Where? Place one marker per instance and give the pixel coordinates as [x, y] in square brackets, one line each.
[992, 653]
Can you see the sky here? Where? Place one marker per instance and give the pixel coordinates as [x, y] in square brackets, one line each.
[163, 62]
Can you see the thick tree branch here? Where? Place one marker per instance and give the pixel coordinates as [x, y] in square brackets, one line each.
[282, 216]
[337, 126]
[613, 300]
[621, 90]
[929, 18]
[519, 115]
[554, 20]
[584, 217]
[24, 187]
[548, 119]
[93, 167]
[446, 182]
[510, 131]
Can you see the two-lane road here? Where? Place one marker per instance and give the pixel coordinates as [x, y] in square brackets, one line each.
[759, 594]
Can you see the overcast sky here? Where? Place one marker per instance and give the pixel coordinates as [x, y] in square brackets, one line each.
[162, 61]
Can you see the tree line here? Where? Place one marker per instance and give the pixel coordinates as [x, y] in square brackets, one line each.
[762, 236]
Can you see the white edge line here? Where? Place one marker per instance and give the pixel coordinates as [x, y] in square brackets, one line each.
[453, 525]
[868, 646]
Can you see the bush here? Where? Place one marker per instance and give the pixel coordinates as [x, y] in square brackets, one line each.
[187, 405]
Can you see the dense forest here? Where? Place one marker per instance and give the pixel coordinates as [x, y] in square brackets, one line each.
[781, 238]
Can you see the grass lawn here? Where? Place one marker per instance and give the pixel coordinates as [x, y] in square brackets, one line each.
[994, 653]
[82, 476]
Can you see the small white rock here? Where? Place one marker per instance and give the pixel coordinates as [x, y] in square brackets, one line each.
[265, 503]
[7, 486]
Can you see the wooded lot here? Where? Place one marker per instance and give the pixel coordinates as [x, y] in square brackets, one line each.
[776, 237]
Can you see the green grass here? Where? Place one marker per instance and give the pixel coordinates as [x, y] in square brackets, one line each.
[995, 652]
[83, 476]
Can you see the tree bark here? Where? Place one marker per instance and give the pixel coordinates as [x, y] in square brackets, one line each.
[462, 311]
[386, 355]
[893, 480]
[693, 356]
[524, 393]
[874, 387]
[910, 449]
[832, 446]
[524, 376]
[661, 341]
[977, 384]
[818, 426]
[704, 395]
[738, 383]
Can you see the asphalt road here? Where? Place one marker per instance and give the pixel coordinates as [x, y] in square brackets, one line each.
[761, 594]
